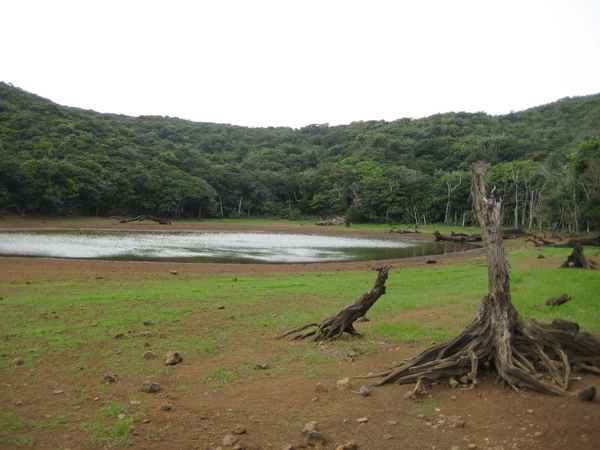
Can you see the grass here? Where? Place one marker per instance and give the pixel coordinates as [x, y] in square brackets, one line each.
[74, 325]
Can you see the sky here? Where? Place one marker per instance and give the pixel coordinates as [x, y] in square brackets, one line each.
[264, 63]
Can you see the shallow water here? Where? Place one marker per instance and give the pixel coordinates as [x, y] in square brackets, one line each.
[208, 247]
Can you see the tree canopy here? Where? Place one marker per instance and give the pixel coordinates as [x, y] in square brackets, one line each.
[545, 165]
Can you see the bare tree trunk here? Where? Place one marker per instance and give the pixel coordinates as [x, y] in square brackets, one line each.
[498, 337]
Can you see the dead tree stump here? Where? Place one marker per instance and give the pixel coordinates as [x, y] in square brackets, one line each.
[342, 322]
[578, 259]
[521, 350]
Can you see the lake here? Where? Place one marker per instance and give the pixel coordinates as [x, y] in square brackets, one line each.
[216, 247]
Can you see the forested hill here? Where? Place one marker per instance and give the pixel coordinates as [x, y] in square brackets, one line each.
[67, 161]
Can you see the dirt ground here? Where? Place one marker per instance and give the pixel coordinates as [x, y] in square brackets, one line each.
[273, 409]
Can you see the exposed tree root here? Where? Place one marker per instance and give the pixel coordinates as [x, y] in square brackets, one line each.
[342, 322]
[536, 350]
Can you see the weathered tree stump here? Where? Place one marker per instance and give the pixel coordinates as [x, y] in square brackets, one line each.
[517, 348]
[342, 322]
[578, 259]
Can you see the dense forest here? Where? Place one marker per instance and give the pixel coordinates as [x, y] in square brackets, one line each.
[544, 166]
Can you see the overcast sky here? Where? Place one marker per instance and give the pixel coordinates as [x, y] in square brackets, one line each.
[293, 63]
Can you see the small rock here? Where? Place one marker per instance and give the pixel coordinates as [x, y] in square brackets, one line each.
[314, 438]
[287, 446]
[148, 323]
[464, 379]
[19, 403]
[18, 361]
[239, 429]
[166, 406]
[540, 256]
[109, 378]
[392, 422]
[150, 387]
[388, 436]
[146, 421]
[363, 420]
[431, 261]
[99, 278]
[350, 445]
[460, 423]
[259, 366]
[173, 358]
[58, 392]
[221, 306]
[530, 411]
[344, 383]
[174, 272]
[121, 416]
[230, 440]
[120, 336]
[472, 446]
[310, 426]
[364, 391]
[452, 383]
[150, 355]
[320, 388]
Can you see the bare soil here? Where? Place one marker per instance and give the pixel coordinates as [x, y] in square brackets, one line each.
[273, 407]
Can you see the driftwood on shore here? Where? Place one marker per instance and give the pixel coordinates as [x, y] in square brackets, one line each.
[456, 237]
[330, 222]
[138, 219]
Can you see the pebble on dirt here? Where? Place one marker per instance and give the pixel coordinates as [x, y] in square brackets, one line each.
[18, 361]
[110, 378]
[150, 387]
[150, 355]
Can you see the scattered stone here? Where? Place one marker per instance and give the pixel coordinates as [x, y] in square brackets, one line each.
[19, 403]
[344, 383]
[388, 436]
[431, 261]
[150, 355]
[239, 429]
[148, 323]
[146, 421]
[540, 256]
[110, 378]
[174, 272]
[166, 406]
[120, 336]
[99, 278]
[259, 366]
[18, 361]
[310, 426]
[392, 422]
[452, 383]
[121, 416]
[287, 446]
[530, 411]
[135, 402]
[173, 358]
[58, 392]
[472, 446]
[364, 391]
[320, 388]
[230, 440]
[146, 334]
[150, 387]
[350, 445]
[221, 306]
[363, 420]
[464, 379]
[315, 438]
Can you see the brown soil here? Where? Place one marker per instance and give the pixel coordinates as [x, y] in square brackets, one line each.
[273, 405]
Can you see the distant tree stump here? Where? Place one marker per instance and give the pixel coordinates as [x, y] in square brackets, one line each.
[578, 259]
[342, 322]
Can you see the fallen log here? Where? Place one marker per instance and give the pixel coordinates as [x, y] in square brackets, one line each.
[571, 243]
[555, 301]
[138, 219]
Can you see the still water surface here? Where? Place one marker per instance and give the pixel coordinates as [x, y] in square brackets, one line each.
[210, 247]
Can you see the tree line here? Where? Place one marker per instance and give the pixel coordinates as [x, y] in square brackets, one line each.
[544, 163]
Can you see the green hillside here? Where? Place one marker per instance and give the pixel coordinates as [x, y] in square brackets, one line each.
[545, 165]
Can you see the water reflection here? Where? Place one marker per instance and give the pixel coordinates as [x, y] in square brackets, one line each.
[208, 247]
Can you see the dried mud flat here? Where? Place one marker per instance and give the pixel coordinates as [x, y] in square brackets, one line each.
[272, 406]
